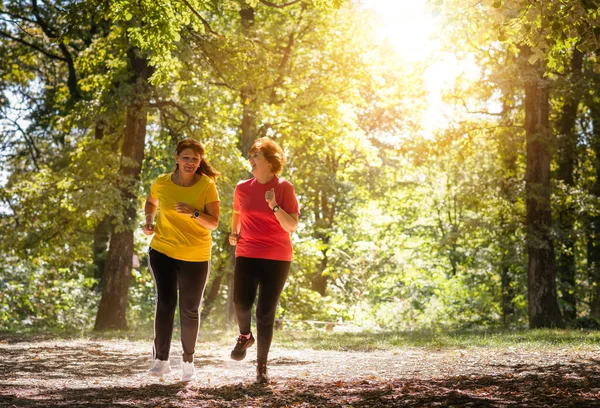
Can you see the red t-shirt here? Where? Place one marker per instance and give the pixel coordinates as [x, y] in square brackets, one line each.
[261, 235]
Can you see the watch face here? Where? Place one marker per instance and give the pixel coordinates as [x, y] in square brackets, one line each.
[196, 214]
[276, 208]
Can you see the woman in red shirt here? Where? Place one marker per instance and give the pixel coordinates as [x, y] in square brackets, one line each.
[265, 212]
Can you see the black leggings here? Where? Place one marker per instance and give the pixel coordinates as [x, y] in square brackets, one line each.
[268, 276]
[190, 277]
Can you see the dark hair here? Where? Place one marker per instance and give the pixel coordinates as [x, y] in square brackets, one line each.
[272, 152]
[197, 147]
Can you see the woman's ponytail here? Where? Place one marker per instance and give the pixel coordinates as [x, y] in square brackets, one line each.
[207, 169]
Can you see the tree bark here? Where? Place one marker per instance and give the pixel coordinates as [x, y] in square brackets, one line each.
[221, 274]
[593, 244]
[510, 262]
[566, 160]
[248, 132]
[99, 248]
[112, 312]
[543, 304]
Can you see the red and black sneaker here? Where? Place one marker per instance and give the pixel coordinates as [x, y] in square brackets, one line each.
[239, 351]
[261, 373]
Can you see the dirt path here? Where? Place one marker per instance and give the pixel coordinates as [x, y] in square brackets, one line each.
[110, 373]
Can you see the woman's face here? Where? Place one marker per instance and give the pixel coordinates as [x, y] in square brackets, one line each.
[258, 164]
[188, 161]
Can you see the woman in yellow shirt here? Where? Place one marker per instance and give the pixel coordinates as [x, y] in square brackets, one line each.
[179, 254]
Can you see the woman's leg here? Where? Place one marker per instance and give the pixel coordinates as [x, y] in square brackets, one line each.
[272, 277]
[192, 281]
[164, 273]
[244, 291]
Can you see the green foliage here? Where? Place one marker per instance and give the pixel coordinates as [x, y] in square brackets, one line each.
[36, 294]
[397, 229]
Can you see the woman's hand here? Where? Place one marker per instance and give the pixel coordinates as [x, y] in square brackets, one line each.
[183, 208]
[148, 228]
[270, 198]
[233, 239]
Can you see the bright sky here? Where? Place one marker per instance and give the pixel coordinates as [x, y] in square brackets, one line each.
[406, 24]
[409, 26]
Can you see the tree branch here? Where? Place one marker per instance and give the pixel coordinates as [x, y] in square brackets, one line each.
[204, 22]
[160, 104]
[35, 47]
[15, 16]
[68, 58]
[270, 4]
[49, 31]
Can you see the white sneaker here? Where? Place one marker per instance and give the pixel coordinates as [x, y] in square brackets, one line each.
[160, 367]
[188, 372]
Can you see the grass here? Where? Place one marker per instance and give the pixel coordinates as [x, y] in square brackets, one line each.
[435, 339]
[352, 341]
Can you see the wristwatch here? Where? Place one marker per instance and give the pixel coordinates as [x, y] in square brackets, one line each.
[276, 208]
[196, 214]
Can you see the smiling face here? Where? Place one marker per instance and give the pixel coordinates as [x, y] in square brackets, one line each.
[188, 161]
[259, 166]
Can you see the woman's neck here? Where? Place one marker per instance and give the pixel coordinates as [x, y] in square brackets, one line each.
[184, 180]
[264, 178]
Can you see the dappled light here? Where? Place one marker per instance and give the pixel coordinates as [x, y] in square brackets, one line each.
[58, 372]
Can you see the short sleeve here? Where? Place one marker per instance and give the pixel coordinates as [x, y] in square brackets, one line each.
[236, 200]
[211, 193]
[290, 202]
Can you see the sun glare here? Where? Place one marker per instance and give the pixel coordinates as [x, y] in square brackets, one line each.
[406, 25]
[409, 26]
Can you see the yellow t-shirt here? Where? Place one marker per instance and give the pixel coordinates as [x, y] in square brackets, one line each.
[178, 235]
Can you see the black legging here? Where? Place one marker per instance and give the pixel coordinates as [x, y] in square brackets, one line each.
[269, 277]
[190, 277]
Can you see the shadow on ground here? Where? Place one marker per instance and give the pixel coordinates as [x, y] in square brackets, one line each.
[93, 374]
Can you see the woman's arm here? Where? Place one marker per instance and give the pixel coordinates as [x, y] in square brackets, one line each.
[288, 222]
[150, 209]
[209, 216]
[236, 223]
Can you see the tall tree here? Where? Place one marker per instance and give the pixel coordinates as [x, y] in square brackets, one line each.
[543, 305]
[112, 311]
[565, 173]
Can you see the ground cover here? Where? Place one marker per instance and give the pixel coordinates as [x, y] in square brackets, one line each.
[309, 369]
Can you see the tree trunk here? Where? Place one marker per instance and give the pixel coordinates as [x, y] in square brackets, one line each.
[318, 280]
[117, 273]
[102, 230]
[230, 313]
[543, 304]
[101, 238]
[220, 274]
[509, 263]
[248, 134]
[567, 157]
[593, 245]
[248, 92]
